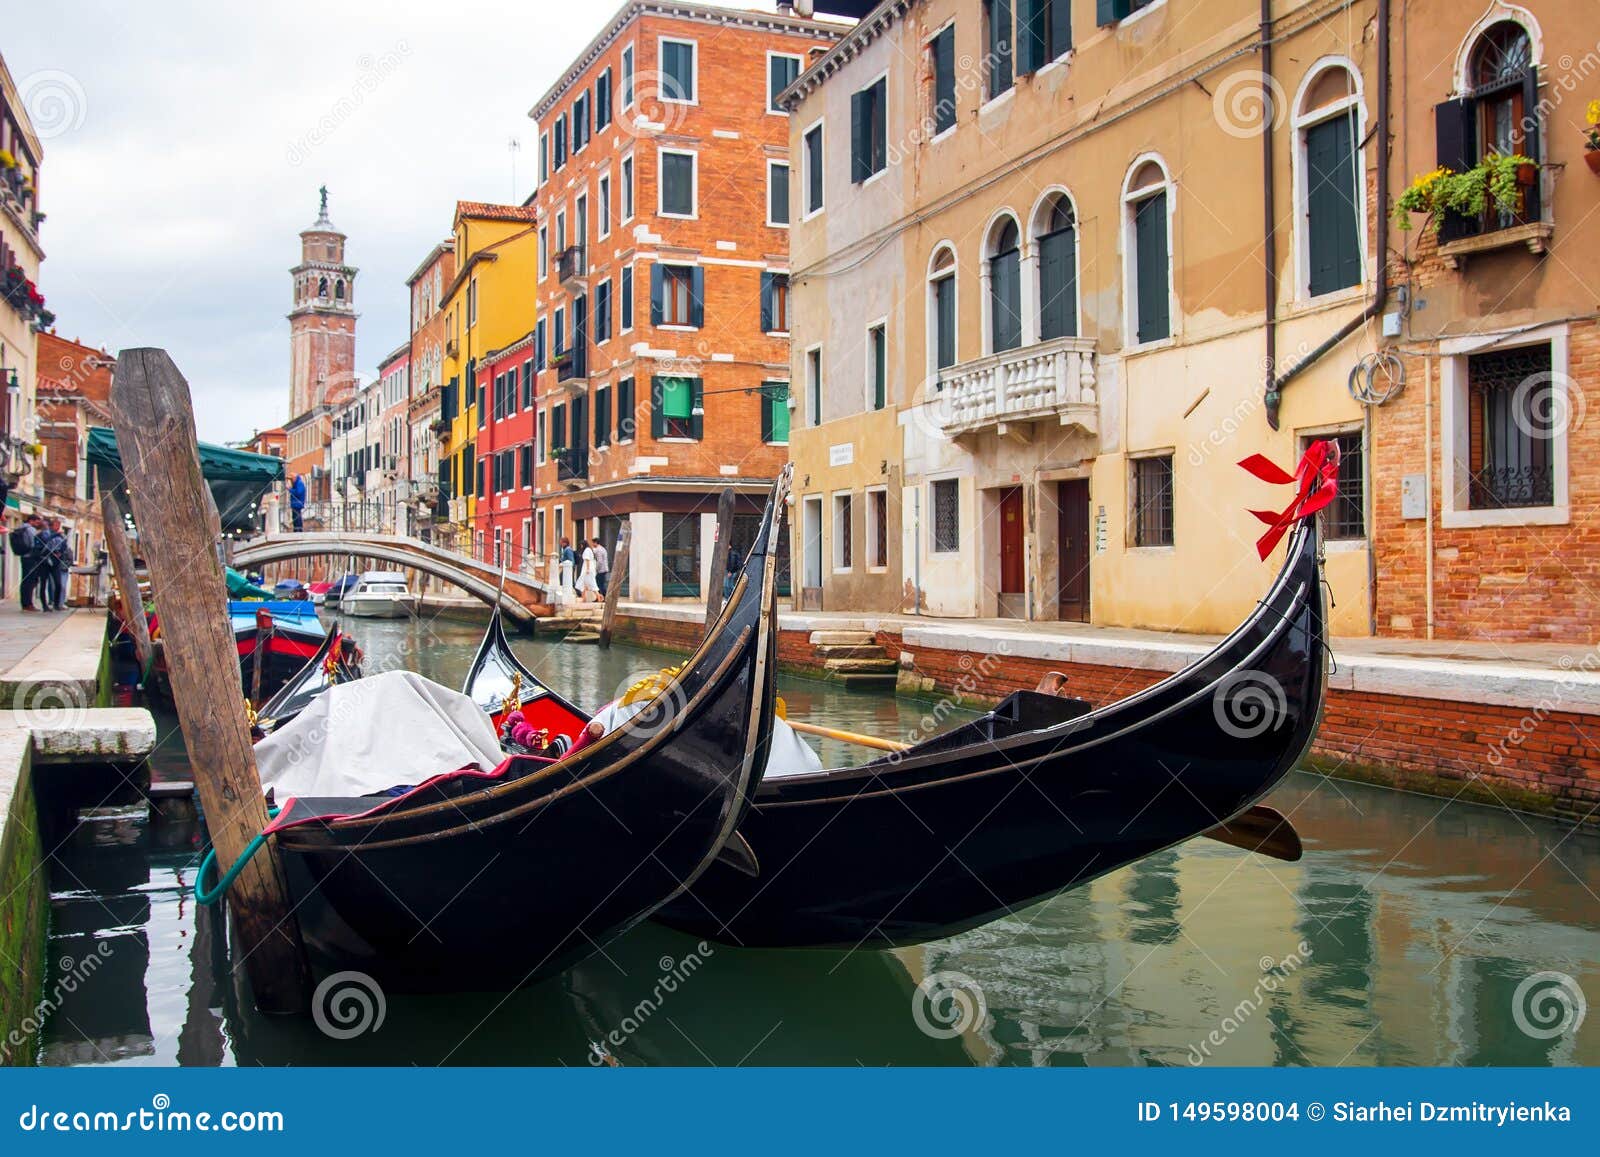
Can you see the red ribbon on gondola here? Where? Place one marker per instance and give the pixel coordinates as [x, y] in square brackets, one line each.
[1317, 477]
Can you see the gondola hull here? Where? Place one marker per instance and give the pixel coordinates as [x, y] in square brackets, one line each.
[1042, 796]
[492, 882]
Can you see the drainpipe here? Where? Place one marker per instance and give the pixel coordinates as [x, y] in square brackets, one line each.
[1269, 212]
[1380, 289]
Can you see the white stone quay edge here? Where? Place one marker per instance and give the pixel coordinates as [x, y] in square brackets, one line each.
[75, 736]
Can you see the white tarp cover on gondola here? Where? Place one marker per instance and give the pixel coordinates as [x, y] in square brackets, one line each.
[376, 733]
[790, 755]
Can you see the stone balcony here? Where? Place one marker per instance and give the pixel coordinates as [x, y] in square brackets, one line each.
[1052, 381]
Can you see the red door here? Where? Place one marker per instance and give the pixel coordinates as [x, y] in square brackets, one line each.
[1011, 572]
[1072, 499]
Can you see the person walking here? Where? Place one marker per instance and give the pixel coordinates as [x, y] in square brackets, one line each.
[588, 588]
[567, 561]
[26, 544]
[58, 575]
[602, 566]
[297, 502]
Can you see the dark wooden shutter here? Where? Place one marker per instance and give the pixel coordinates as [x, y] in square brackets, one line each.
[1000, 46]
[766, 303]
[1031, 35]
[1455, 124]
[625, 414]
[1332, 225]
[1005, 301]
[1058, 284]
[697, 418]
[1060, 28]
[1530, 139]
[945, 311]
[1150, 260]
[766, 417]
[658, 293]
[658, 415]
[944, 79]
[859, 130]
[697, 295]
[1109, 11]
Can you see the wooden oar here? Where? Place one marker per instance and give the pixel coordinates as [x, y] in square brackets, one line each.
[1261, 829]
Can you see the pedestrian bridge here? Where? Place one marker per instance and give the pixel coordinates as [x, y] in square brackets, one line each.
[522, 599]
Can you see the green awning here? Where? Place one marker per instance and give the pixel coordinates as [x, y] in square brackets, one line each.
[237, 478]
[677, 397]
[241, 588]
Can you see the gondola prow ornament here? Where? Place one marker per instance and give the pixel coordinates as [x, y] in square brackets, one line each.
[1317, 477]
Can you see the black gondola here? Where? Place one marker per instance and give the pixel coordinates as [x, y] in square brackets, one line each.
[338, 660]
[499, 682]
[293, 641]
[1040, 795]
[494, 880]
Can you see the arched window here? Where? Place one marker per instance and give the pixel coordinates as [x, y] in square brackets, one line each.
[1329, 185]
[338, 290]
[1005, 285]
[1147, 251]
[1496, 113]
[1055, 234]
[941, 312]
[322, 287]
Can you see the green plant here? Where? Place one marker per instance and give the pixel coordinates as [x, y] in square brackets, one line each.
[1497, 179]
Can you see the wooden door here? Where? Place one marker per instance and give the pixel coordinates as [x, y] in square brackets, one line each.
[1072, 501]
[1012, 580]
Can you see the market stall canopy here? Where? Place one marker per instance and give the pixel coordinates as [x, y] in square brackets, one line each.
[237, 478]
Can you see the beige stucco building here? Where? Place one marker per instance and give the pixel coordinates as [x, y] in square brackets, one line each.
[1057, 232]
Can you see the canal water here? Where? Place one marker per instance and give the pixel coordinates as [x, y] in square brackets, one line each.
[1414, 932]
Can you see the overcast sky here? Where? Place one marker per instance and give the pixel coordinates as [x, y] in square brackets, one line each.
[184, 144]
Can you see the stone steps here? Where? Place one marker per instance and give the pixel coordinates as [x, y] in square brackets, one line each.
[843, 639]
[842, 651]
[883, 665]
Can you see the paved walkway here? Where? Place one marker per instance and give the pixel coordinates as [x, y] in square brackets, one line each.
[21, 632]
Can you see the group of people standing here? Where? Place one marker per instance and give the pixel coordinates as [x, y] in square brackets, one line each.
[593, 573]
[43, 547]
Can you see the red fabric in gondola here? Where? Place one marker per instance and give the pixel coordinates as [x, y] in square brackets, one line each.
[1317, 477]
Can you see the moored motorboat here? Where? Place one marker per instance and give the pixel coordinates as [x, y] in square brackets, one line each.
[479, 879]
[379, 594]
[1042, 794]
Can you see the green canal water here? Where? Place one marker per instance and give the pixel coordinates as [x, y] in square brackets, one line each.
[1414, 932]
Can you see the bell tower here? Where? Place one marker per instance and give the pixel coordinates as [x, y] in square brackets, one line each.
[322, 322]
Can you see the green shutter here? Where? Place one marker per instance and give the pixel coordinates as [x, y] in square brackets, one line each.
[658, 293]
[658, 414]
[697, 295]
[766, 303]
[1150, 257]
[1110, 11]
[1331, 220]
[944, 80]
[1058, 284]
[1031, 29]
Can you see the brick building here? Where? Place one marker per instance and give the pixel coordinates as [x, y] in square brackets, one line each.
[74, 392]
[662, 338]
[426, 287]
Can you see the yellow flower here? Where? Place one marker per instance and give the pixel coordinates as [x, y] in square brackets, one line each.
[1594, 112]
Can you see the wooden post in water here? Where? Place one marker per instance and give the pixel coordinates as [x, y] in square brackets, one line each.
[178, 533]
[719, 555]
[127, 581]
[619, 567]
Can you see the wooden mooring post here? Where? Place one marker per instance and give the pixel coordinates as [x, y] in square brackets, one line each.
[127, 582]
[719, 556]
[619, 567]
[178, 535]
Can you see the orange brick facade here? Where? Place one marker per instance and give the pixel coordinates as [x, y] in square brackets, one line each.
[630, 465]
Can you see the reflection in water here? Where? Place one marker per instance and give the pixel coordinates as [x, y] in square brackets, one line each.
[1402, 938]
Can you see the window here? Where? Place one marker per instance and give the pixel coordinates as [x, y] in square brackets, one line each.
[483, 408]
[560, 331]
[602, 311]
[942, 58]
[539, 536]
[774, 303]
[877, 366]
[677, 71]
[677, 183]
[558, 426]
[677, 295]
[1328, 183]
[627, 188]
[877, 528]
[626, 319]
[472, 303]
[942, 311]
[777, 193]
[544, 157]
[812, 160]
[781, 73]
[580, 123]
[1346, 518]
[1111, 11]
[843, 540]
[1152, 501]
[869, 135]
[602, 100]
[997, 35]
[580, 232]
[775, 413]
[1511, 420]
[602, 417]
[1056, 241]
[539, 438]
[626, 419]
[1499, 113]
[561, 142]
[561, 230]
[544, 251]
[540, 353]
[1044, 32]
[1147, 252]
[945, 502]
[627, 77]
[527, 384]
[676, 409]
[1005, 286]
[814, 386]
[603, 207]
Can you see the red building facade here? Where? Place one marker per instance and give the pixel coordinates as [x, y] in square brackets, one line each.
[505, 514]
